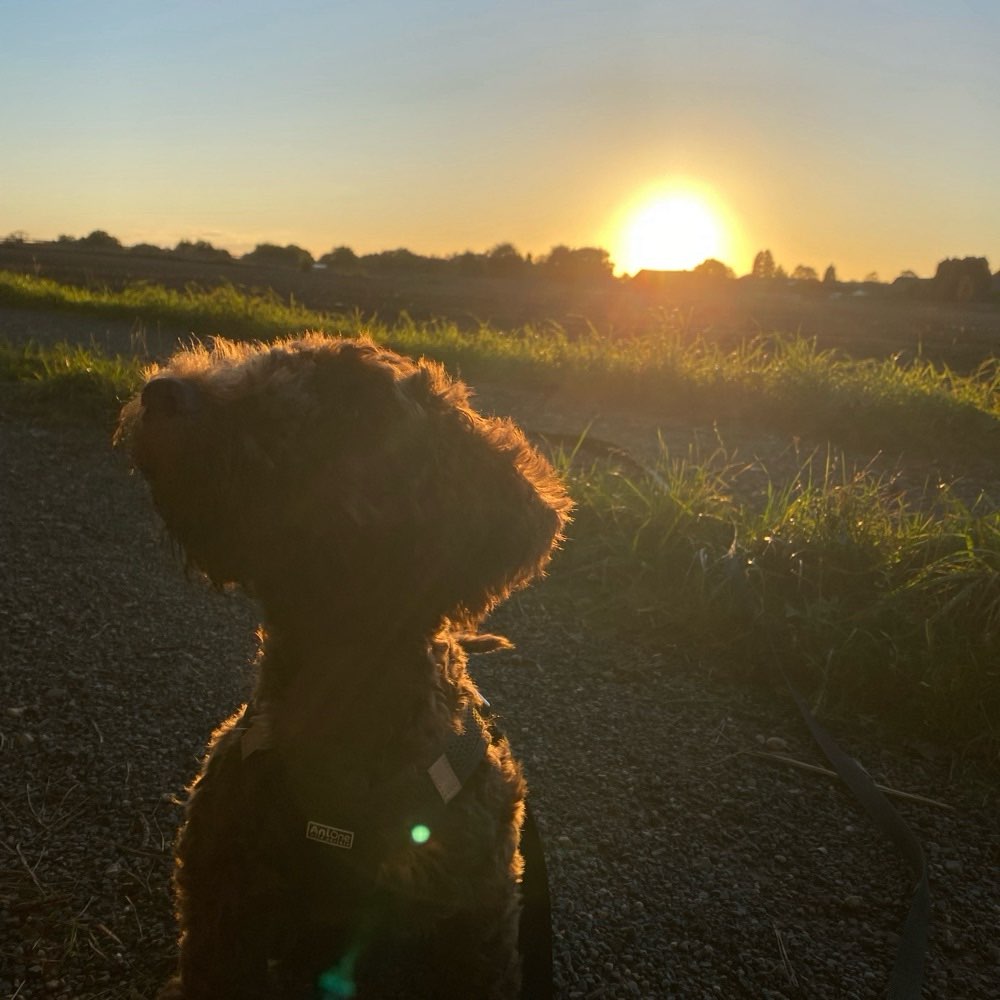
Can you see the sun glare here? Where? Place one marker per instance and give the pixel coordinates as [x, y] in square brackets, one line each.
[670, 232]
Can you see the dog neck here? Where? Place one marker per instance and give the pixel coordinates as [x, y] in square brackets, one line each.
[374, 704]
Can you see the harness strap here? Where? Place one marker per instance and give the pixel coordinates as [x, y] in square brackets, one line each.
[424, 793]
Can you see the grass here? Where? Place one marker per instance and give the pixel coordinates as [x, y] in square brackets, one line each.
[67, 380]
[879, 601]
[222, 310]
[785, 383]
[874, 601]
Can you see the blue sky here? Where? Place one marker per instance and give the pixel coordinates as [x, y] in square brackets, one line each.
[862, 134]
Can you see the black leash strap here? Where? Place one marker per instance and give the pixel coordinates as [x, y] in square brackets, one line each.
[535, 932]
[908, 971]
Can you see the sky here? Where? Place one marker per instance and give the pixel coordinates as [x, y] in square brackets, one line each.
[862, 134]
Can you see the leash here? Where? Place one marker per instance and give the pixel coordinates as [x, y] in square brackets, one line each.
[907, 973]
[534, 938]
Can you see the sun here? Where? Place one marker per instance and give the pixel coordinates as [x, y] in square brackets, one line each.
[670, 231]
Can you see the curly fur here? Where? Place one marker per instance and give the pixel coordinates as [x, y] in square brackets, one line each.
[377, 518]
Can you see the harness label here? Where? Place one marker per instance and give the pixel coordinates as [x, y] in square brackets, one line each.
[446, 781]
[331, 836]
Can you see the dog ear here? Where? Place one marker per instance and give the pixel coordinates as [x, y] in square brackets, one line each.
[487, 509]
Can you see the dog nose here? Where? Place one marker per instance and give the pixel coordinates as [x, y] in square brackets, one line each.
[169, 397]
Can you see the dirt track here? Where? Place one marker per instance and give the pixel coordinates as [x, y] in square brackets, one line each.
[682, 865]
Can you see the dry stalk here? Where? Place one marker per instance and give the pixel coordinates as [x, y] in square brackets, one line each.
[826, 772]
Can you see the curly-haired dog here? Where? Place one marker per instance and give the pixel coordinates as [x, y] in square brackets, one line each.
[354, 829]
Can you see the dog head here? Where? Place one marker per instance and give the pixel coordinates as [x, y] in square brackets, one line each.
[331, 470]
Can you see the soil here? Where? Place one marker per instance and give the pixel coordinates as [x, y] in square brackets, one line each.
[685, 858]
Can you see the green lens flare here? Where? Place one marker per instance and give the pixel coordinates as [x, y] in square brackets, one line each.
[420, 834]
[336, 985]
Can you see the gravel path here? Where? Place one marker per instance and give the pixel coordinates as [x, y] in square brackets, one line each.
[681, 865]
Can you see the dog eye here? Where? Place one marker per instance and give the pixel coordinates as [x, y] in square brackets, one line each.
[169, 397]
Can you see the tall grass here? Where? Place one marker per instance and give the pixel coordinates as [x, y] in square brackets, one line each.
[877, 601]
[67, 380]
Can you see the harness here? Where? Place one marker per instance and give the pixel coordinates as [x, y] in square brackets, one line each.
[369, 826]
[351, 831]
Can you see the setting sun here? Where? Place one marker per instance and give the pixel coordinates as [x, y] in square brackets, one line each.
[670, 232]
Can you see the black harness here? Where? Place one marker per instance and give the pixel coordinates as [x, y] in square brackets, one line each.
[358, 837]
[369, 827]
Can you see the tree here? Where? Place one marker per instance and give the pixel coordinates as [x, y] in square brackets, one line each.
[201, 250]
[908, 274]
[400, 259]
[963, 280]
[582, 264]
[100, 240]
[270, 255]
[469, 264]
[504, 261]
[830, 275]
[871, 278]
[763, 265]
[147, 250]
[342, 257]
[803, 272]
[712, 268]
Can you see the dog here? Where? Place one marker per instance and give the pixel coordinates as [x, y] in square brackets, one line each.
[354, 829]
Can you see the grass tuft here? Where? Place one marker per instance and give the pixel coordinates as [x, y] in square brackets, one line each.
[876, 601]
[66, 380]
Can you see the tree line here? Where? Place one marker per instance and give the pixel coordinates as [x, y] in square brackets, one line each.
[956, 279]
[503, 260]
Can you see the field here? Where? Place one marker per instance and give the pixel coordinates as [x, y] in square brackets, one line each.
[833, 513]
[881, 326]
